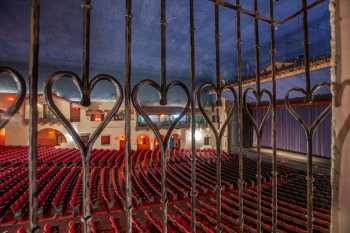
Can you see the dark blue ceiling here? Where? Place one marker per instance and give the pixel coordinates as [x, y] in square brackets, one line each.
[61, 37]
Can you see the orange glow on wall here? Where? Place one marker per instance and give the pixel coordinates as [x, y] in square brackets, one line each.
[2, 136]
[143, 143]
[11, 98]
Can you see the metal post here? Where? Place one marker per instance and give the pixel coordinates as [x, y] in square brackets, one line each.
[218, 103]
[259, 134]
[240, 117]
[86, 6]
[274, 121]
[193, 119]
[127, 90]
[163, 28]
[33, 117]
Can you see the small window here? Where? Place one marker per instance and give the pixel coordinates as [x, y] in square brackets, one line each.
[105, 140]
[74, 113]
[206, 140]
[97, 117]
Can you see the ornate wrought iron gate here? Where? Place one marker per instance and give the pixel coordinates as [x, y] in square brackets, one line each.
[128, 95]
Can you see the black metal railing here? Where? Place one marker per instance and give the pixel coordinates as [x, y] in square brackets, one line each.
[127, 95]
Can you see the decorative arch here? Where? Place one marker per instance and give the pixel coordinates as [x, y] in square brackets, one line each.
[51, 137]
[121, 142]
[143, 142]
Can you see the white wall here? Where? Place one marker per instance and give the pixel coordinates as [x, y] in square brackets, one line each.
[17, 130]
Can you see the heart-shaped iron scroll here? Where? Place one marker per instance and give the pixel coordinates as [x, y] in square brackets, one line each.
[21, 94]
[219, 91]
[309, 128]
[258, 96]
[78, 83]
[163, 140]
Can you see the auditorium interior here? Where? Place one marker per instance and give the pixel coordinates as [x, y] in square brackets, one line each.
[155, 116]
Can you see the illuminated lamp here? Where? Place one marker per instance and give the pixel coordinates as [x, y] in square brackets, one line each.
[11, 98]
[198, 135]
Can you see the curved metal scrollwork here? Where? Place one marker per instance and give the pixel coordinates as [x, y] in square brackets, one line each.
[102, 77]
[20, 97]
[85, 87]
[163, 141]
[258, 129]
[85, 149]
[258, 96]
[309, 129]
[219, 90]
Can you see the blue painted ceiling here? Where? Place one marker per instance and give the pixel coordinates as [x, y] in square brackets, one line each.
[61, 38]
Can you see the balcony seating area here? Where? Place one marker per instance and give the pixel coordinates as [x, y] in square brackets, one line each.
[59, 181]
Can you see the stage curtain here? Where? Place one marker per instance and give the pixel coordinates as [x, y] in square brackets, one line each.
[291, 136]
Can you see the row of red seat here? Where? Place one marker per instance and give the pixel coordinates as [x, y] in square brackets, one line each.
[19, 155]
[61, 183]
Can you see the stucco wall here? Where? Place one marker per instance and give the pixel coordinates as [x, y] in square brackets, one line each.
[16, 132]
[17, 129]
[340, 19]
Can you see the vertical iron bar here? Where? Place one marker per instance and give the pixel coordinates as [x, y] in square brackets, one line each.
[193, 119]
[310, 182]
[218, 190]
[240, 116]
[127, 90]
[85, 101]
[259, 180]
[257, 58]
[163, 188]
[274, 120]
[309, 135]
[163, 101]
[218, 104]
[86, 195]
[33, 117]
[257, 46]
[86, 7]
[306, 47]
[163, 28]
[217, 45]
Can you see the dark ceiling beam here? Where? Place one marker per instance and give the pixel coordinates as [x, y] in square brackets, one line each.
[312, 5]
[318, 64]
[315, 65]
[244, 11]
[264, 18]
[321, 100]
